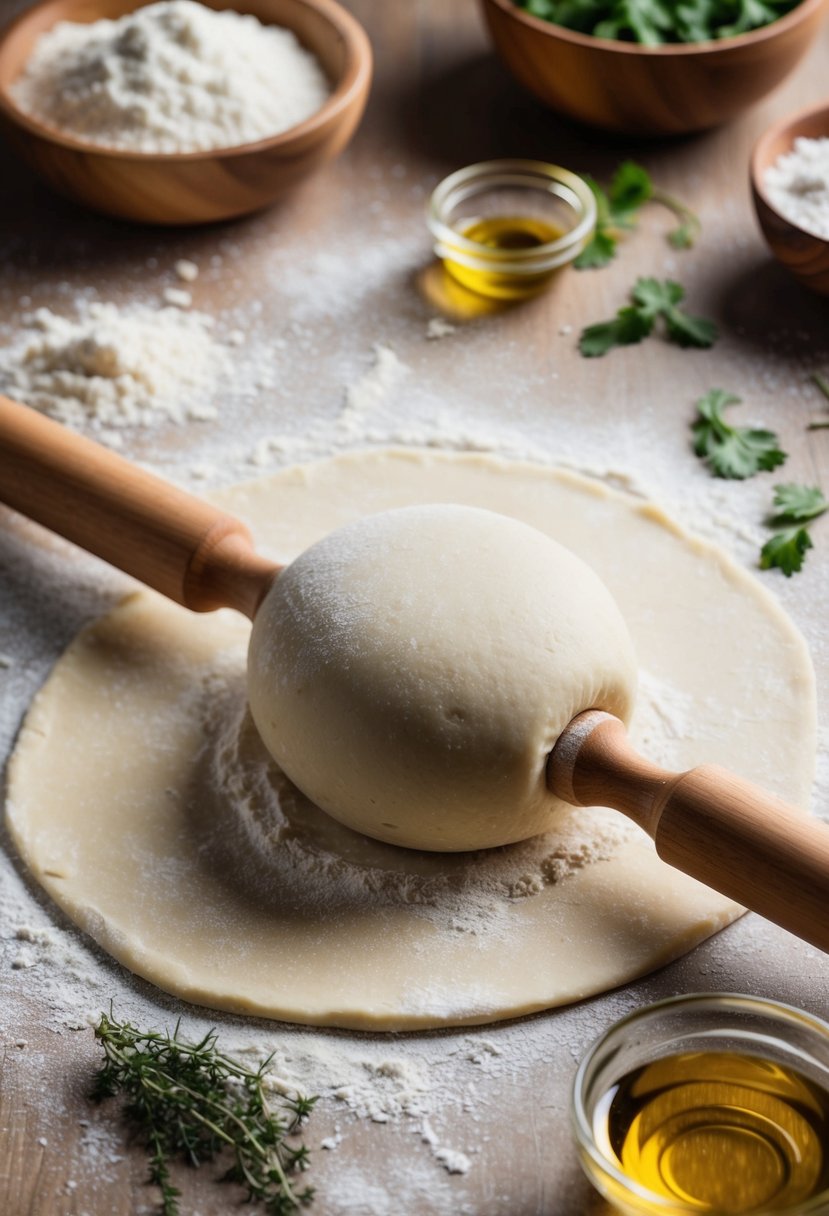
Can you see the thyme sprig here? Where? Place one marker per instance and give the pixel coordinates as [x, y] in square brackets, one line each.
[190, 1102]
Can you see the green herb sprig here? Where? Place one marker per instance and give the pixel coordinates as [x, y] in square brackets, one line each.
[653, 22]
[822, 384]
[732, 451]
[794, 506]
[652, 300]
[190, 1102]
[617, 209]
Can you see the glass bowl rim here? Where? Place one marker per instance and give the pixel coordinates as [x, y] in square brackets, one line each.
[533, 170]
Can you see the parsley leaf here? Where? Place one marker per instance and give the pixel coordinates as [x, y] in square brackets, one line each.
[687, 230]
[734, 452]
[686, 330]
[598, 252]
[751, 14]
[630, 188]
[545, 9]
[653, 22]
[617, 209]
[656, 298]
[628, 327]
[786, 550]
[646, 20]
[651, 300]
[796, 504]
[693, 20]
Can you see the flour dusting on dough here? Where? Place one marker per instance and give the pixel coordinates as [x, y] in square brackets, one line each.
[265, 828]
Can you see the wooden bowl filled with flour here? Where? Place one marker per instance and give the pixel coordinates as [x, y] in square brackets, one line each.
[180, 112]
[790, 187]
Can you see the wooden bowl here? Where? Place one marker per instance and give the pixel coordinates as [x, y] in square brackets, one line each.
[803, 253]
[664, 90]
[193, 187]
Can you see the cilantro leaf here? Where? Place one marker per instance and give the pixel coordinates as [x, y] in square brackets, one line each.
[598, 252]
[796, 504]
[786, 551]
[616, 208]
[686, 232]
[630, 188]
[654, 297]
[627, 328]
[751, 14]
[694, 20]
[651, 300]
[732, 452]
[646, 20]
[652, 22]
[686, 330]
[545, 9]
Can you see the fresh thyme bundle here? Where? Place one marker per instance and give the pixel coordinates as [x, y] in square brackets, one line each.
[187, 1101]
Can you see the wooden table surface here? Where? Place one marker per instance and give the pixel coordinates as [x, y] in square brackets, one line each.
[440, 100]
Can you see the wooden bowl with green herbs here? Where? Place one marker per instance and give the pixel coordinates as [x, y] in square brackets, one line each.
[651, 87]
[202, 186]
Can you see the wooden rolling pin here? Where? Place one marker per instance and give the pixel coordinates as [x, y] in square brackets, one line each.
[726, 832]
[174, 542]
[722, 830]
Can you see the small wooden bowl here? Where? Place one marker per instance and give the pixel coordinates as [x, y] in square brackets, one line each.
[803, 253]
[193, 187]
[664, 90]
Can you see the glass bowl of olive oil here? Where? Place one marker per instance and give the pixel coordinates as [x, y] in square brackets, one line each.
[711, 1105]
[503, 228]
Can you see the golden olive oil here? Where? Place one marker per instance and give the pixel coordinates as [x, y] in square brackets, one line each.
[505, 236]
[722, 1132]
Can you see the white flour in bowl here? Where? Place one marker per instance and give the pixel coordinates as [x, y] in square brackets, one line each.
[797, 185]
[171, 77]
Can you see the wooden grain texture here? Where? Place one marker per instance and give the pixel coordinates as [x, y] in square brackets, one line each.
[174, 542]
[441, 100]
[806, 256]
[724, 831]
[620, 86]
[195, 187]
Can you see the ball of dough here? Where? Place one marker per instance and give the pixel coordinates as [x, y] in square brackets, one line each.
[412, 671]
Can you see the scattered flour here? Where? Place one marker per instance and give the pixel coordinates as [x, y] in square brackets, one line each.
[453, 1161]
[439, 327]
[375, 1090]
[797, 185]
[373, 388]
[112, 367]
[363, 399]
[269, 832]
[186, 270]
[177, 297]
[171, 77]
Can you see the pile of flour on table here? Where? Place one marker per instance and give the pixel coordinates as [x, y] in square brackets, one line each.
[111, 367]
[171, 77]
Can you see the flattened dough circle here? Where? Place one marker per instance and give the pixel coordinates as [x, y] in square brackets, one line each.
[107, 803]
